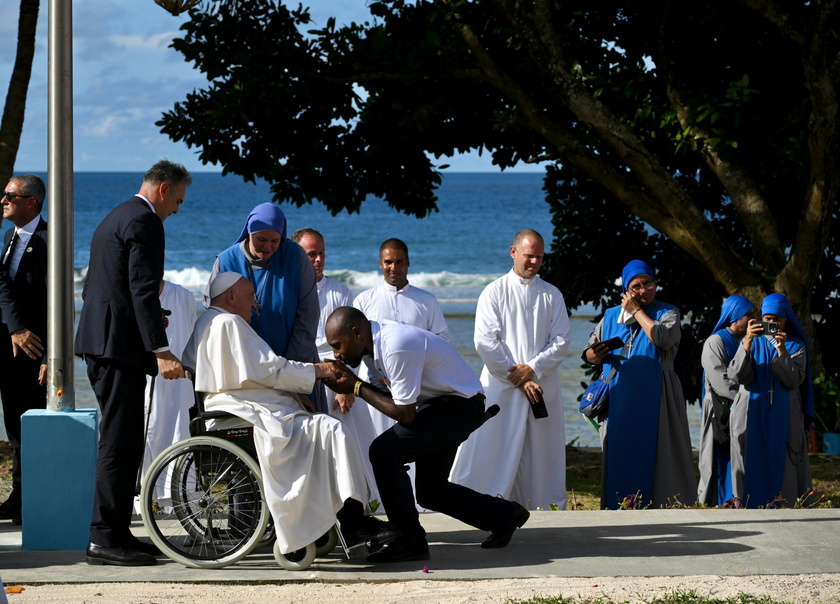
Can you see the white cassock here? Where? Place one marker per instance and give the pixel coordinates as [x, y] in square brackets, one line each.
[515, 455]
[409, 305]
[169, 417]
[357, 421]
[310, 466]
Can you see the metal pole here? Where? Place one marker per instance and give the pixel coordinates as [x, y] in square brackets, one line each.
[60, 300]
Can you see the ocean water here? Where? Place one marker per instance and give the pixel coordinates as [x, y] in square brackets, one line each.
[454, 252]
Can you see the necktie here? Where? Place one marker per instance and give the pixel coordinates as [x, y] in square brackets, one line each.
[10, 252]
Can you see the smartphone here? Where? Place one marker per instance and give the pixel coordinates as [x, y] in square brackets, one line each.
[538, 409]
[613, 343]
[771, 328]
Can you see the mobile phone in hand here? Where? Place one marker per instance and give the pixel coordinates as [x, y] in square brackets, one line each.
[613, 343]
[539, 409]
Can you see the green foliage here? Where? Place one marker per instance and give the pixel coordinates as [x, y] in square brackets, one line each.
[666, 137]
[827, 401]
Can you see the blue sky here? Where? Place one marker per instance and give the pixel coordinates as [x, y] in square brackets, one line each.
[125, 77]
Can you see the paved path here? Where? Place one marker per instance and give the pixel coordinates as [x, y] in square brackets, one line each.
[551, 544]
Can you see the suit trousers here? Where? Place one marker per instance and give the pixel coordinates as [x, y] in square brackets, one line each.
[120, 390]
[21, 392]
[431, 441]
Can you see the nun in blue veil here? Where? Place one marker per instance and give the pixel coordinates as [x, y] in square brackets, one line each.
[285, 288]
[647, 458]
[715, 485]
[769, 447]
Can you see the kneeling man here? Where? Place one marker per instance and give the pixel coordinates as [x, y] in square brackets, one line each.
[436, 400]
[312, 472]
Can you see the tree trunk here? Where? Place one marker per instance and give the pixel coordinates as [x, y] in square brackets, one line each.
[11, 125]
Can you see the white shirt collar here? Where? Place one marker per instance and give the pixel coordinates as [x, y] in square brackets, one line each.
[149, 203]
[29, 228]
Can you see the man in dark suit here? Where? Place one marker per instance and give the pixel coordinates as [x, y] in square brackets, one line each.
[122, 339]
[23, 307]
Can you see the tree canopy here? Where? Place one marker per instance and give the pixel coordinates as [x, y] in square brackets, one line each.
[700, 135]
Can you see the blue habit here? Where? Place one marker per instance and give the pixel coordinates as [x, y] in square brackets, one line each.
[723, 455]
[768, 419]
[633, 416]
[276, 288]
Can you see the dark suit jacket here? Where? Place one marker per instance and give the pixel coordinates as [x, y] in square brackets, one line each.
[23, 300]
[121, 317]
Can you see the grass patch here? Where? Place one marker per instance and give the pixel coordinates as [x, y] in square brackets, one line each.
[583, 479]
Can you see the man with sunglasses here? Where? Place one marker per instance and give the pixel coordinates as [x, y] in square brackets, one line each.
[23, 304]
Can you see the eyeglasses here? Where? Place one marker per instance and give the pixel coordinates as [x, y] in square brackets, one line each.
[10, 196]
[649, 284]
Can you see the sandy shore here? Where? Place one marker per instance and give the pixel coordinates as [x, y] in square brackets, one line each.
[800, 589]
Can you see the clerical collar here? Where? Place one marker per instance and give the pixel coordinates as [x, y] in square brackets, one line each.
[521, 280]
[393, 288]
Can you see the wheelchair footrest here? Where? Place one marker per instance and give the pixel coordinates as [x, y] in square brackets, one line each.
[354, 552]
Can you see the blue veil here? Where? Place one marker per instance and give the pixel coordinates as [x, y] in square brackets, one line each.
[634, 268]
[265, 217]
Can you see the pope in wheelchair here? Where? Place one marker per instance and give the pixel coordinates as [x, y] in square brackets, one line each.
[312, 472]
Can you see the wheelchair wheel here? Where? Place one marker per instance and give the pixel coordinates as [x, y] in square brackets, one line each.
[325, 544]
[202, 502]
[297, 560]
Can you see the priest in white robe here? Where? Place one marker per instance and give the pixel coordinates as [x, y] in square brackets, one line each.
[397, 300]
[331, 295]
[168, 409]
[312, 472]
[522, 333]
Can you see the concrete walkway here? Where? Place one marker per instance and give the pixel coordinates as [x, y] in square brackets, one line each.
[551, 544]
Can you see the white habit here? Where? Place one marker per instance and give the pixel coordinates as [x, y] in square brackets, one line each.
[409, 305]
[357, 421]
[310, 466]
[169, 418]
[517, 456]
[331, 295]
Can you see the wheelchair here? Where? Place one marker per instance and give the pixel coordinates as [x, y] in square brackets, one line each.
[202, 499]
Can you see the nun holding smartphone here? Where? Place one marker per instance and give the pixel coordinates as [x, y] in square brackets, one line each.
[645, 438]
[775, 400]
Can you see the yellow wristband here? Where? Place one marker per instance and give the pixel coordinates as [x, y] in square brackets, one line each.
[357, 388]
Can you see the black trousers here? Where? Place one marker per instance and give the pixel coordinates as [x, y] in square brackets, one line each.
[21, 392]
[119, 389]
[431, 441]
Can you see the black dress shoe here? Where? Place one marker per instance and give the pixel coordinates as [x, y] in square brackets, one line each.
[396, 551]
[373, 532]
[502, 538]
[141, 546]
[9, 511]
[117, 556]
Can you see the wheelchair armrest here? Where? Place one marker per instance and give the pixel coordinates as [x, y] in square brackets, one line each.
[215, 414]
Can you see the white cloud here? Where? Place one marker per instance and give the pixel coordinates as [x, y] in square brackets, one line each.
[107, 123]
[152, 42]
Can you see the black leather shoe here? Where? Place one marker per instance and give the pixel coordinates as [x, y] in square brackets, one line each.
[397, 552]
[373, 532]
[9, 511]
[502, 538]
[117, 556]
[141, 546]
